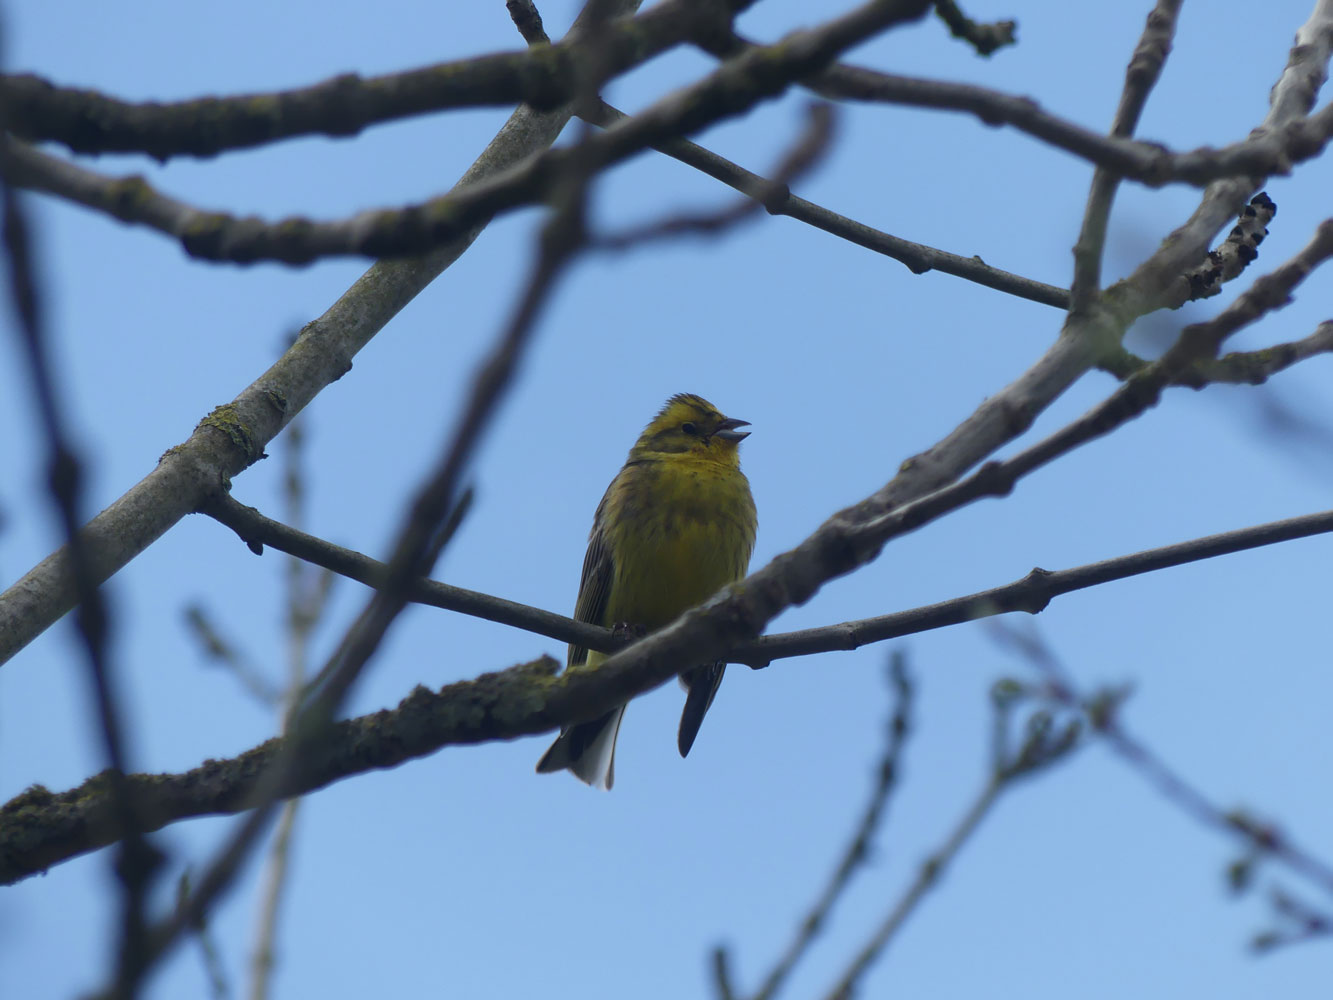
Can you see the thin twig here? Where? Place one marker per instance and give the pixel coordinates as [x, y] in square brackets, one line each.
[1041, 745]
[137, 860]
[60, 826]
[305, 601]
[927, 876]
[918, 257]
[427, 529]
[1103, 715]
[1031, 593]
[805, 154]
[1145, 66]
[217, 647]
[985, 38]
[858, 849]
[735, 87]
[233, 436]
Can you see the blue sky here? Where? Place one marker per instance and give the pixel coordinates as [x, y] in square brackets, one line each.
[466, 873]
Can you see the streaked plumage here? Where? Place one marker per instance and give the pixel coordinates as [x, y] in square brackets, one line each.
[675, 526]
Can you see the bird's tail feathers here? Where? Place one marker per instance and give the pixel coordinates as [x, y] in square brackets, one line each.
[702, 684]
[587, 750]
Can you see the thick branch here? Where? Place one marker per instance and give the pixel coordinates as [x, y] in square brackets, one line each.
[544, 77]
[733, 88]
[233, 436]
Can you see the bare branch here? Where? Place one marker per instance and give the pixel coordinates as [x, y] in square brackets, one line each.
[233, 437]
[137, 861]
[1041, 746]
[806, 153]
[1255, 367]
[985, 38]
[1031, 594]
[1102, 713]
[918, 257]
[734, 87]
[1145, 66]
[858, 849]
[1287, 137]
[256, 530]
[1163, 280]
[544, 78]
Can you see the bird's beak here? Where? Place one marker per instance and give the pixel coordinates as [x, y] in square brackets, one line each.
[727, 430]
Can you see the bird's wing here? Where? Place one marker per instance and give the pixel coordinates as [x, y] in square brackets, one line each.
[594, 586]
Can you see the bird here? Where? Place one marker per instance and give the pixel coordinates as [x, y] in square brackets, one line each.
[676, 525]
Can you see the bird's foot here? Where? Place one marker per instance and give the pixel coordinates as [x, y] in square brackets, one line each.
[627, 632]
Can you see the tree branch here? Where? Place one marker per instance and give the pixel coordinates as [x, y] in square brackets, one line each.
[39, 828]
[918, 257]
[1145, 66]
[985, 38]
[233, 436]
[857, 852]
[543, 77]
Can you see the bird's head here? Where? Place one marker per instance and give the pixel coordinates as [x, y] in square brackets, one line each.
[689, 424]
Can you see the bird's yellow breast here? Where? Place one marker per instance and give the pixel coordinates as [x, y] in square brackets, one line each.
[679, 529]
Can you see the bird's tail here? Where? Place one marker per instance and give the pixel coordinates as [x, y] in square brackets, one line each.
[701, 683]
[587, 750]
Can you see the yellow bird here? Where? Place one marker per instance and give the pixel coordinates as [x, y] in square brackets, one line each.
[676, 525]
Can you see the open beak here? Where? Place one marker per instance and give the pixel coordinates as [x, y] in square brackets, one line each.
[727, 430]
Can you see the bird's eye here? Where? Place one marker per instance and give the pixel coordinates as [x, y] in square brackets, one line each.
[689, 428]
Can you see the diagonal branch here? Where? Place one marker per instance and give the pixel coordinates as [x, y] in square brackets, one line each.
[1145, 66]
[39, 828]
[1030, 594]
[734, 87]
[857, 852]
[918, 257]
[233, 436]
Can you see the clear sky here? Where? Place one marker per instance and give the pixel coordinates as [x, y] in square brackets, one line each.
[465, 874]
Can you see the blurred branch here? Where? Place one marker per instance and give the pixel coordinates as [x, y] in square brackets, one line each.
[217, 648]
[137, 860]
[810, 148]
[858, 850]
[1145, 66]
[734, 87]
[1255, 367]
[233, 436]
[1102, 712]
[528, 21]
[543, 77]
[1272, 150]
[985, 38]
[1298, 923]
[306, 599]
[218, 986]
[918, 257]
[526, 700]
[39, 828]
[1041, 745]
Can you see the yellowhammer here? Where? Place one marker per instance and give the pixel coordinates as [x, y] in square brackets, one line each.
[675, 526]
